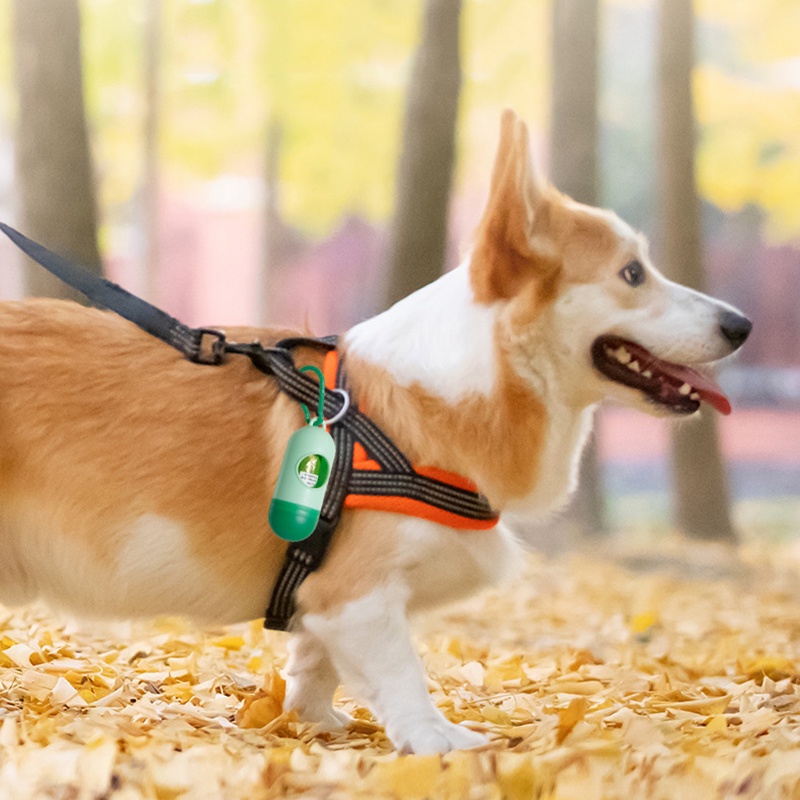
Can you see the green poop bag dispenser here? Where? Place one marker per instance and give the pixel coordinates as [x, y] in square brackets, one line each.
[303, 479]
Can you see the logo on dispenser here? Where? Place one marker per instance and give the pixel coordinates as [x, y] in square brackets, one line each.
[313, 471]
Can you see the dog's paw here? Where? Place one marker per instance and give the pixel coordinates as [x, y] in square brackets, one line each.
[429, 736]
[324, 720]
[333, 721]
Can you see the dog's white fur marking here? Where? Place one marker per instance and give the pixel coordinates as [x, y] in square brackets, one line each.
[684, 331]
[438, 337]
[153, 572]
[157, 569]
[566, 435]
[156, 566]
[624, 232]
[16, 586]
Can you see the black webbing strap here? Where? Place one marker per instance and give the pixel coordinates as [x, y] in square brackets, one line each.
[278, 362]
[202, 345]
[303, 558]
[396, 477]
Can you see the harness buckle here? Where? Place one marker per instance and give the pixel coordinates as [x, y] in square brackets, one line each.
[209, 352]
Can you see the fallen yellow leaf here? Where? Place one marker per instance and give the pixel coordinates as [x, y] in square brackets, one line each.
[259, 711]
[229, 642]
[716, 723]
[640, 623]
[774, 667]
[407, 777]
[570, 716]
[516, 776]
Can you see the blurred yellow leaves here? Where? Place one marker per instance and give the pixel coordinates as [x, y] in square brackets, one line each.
[332, 74]
[335, 79]
[229, 642]
[767, 30]
[408, 778]
[749, 149]
[774, 667]
[582, 688]
[749, 112]
[642, 622]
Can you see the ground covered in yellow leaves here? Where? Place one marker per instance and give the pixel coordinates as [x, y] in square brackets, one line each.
[600, 675]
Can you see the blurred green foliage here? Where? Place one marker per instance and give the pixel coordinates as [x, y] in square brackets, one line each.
[333, 75]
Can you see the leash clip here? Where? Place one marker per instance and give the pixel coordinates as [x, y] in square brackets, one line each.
[209, 352]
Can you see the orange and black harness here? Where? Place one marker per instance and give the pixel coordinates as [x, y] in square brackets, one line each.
[369, 471]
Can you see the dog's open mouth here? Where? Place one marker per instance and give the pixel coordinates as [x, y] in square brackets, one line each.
[678, 388]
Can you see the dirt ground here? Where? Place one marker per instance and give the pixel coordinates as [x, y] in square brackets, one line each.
[605, 674]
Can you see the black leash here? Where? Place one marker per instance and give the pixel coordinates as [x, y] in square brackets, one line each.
[201, 345]
[396, 478]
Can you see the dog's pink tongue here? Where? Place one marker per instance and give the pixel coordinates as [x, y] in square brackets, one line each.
[708, 389]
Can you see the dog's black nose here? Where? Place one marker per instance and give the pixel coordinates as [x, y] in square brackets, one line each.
[735, 328]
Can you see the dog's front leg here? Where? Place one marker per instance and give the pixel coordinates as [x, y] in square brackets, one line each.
[311, 683]
[369, 643]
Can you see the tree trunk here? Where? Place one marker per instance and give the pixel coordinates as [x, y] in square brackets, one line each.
[574, 170]
[702, 505]
[272, 224]
[573, 102]
[53, 166]
[151, 183]
[418, 244]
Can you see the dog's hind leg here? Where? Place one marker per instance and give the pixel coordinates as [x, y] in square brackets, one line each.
[369, 644]
[312, 681]
[16, 584]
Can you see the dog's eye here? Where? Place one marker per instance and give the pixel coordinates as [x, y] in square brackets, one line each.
[633, 273]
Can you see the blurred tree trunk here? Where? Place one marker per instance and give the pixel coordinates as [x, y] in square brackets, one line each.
[418, 242]
[53, 165]
[272, 224]
[151, 182]
[702, 505]
[574, 170]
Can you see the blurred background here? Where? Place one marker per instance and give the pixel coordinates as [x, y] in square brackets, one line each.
[307, 162]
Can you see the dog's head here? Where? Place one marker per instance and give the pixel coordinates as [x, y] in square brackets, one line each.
[582, 306]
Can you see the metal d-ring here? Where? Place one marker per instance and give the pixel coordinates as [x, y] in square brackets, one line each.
[343, 410]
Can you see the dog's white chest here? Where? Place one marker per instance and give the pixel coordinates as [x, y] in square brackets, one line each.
[558, 473]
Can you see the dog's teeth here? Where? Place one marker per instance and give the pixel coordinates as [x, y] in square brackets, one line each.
[622, 355]
[694, 396]
[647, 374]
[685, 389]
[634, 365]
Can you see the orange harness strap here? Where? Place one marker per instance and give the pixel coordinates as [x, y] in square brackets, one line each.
[412, 506]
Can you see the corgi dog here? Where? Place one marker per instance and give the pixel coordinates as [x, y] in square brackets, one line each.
[133, 482]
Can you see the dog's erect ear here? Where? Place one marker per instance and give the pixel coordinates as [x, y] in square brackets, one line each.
[511, 243]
